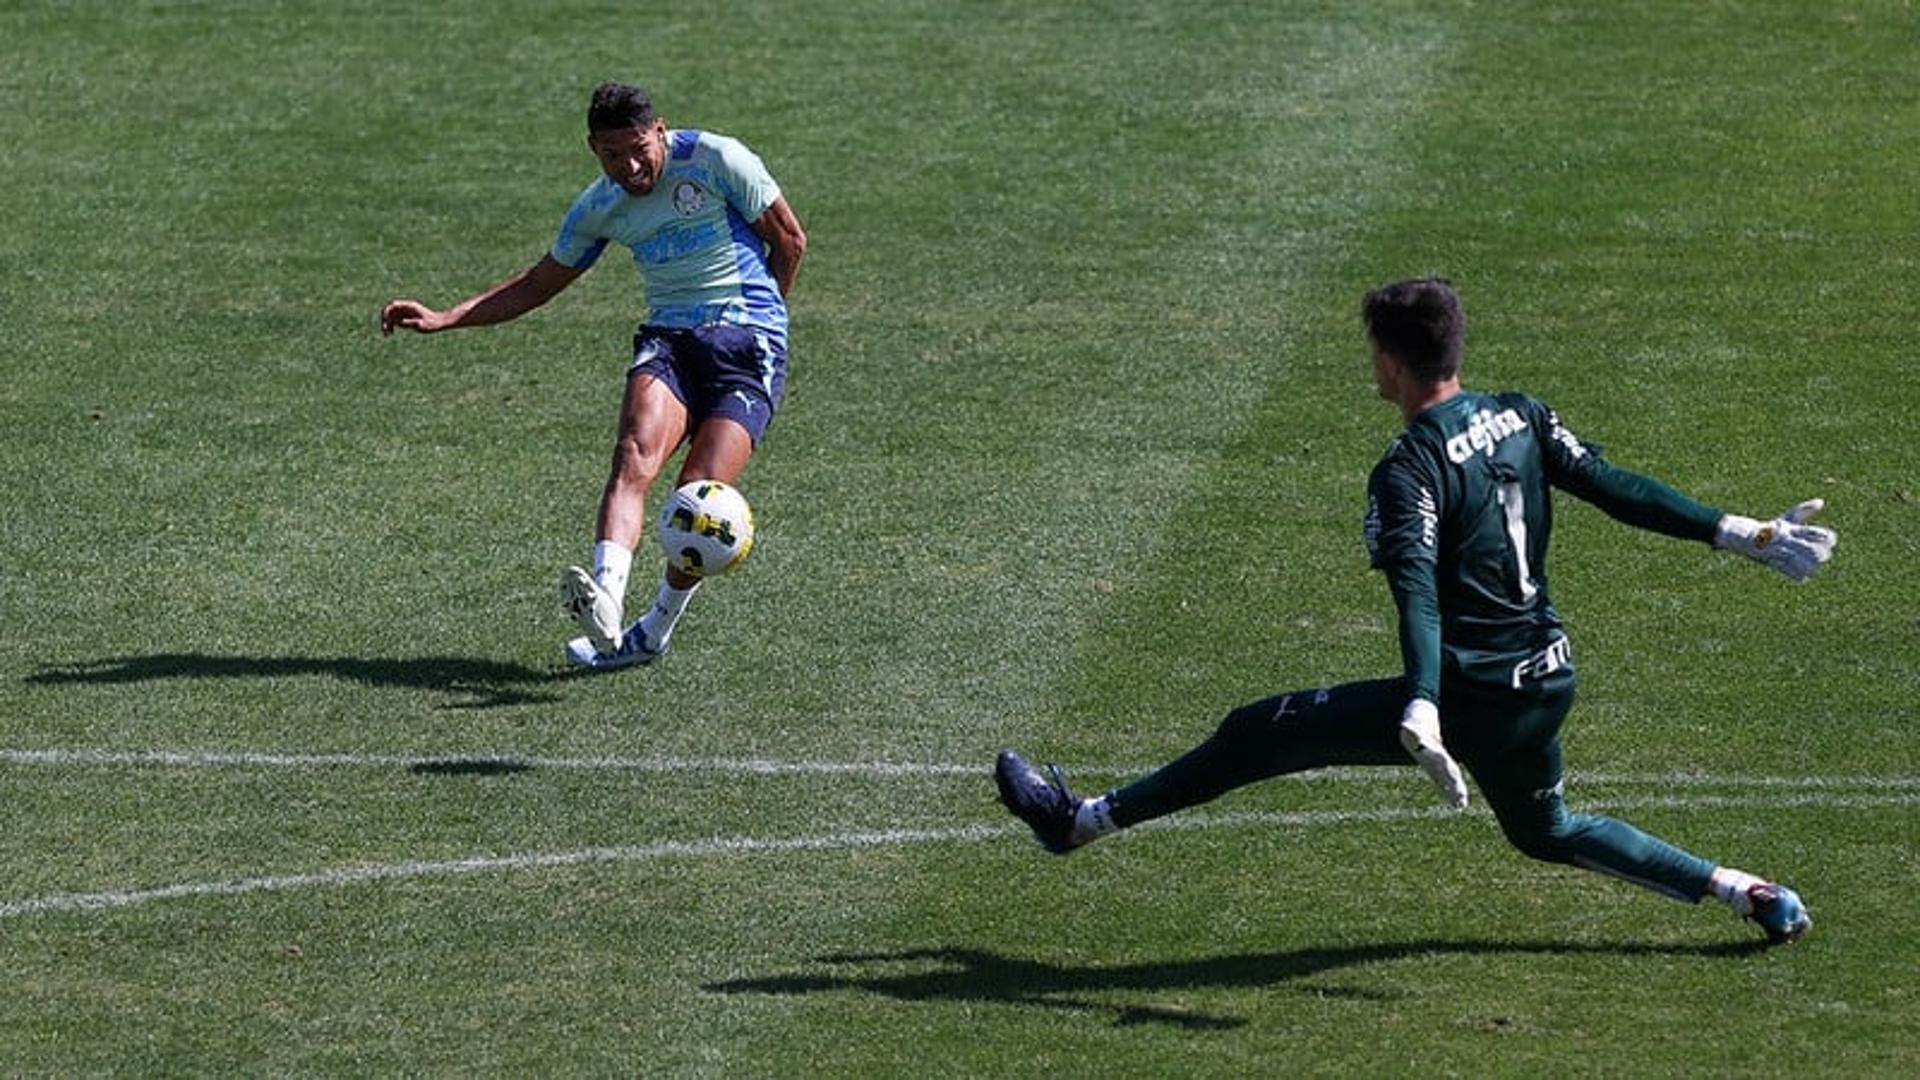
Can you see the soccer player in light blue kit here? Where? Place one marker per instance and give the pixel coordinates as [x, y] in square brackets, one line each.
[1459, 516]
[717, 248]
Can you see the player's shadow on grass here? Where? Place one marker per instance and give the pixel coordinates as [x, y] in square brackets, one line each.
[476, 684]
[977, 975]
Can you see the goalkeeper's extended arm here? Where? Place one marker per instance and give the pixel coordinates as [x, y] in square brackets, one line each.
[1638, 500]
[1786, 543]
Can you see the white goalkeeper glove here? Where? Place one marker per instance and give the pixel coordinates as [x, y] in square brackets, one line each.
[1420, 734]
[1785, 543]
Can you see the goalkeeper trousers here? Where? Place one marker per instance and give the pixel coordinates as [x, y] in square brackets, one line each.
[1509, 740]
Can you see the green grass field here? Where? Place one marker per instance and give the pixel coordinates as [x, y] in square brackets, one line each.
[292, 776]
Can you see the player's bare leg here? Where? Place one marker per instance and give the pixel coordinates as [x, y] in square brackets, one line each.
[652, 423]
[720, 451]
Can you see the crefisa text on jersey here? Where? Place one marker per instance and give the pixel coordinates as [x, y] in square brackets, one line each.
[1483, 433]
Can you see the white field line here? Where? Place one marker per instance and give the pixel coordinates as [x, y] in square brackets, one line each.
[772, 767]
[99, 901]
[481, 863]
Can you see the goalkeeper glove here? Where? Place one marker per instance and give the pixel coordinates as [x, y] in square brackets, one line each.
[1785, 543]
[1420, 734]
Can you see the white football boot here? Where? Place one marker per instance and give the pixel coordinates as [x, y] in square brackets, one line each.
[594, 608]
[633, 650]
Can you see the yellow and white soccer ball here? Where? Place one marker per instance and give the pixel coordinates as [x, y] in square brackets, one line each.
[706, 528]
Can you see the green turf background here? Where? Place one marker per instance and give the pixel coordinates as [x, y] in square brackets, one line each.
[1072, 459]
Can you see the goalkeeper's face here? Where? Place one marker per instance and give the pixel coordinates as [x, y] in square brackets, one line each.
[632, 156]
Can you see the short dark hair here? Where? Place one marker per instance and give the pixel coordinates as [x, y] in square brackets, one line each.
[1420, 323]
[617, 105]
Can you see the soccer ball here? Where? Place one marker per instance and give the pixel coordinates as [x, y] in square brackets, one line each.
[706, 528]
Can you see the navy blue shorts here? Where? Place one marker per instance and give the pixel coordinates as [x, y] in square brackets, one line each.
[719, 370]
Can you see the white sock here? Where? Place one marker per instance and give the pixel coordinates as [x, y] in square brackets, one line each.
[1731, 887]
[1093, 820]
[611, 564]
[667, 607]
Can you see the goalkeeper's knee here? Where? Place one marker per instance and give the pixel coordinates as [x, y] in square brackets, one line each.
[1547, 837]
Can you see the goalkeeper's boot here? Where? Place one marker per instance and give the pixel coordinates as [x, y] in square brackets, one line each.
[633, 650]
[1045, 805]
[1779, 912]
[594, 608]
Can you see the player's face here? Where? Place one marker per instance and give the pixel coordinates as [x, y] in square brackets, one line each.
[632, 157]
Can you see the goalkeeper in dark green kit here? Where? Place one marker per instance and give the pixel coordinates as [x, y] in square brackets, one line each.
[1458, 518]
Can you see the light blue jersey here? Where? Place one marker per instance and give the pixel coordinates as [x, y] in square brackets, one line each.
[699, 260]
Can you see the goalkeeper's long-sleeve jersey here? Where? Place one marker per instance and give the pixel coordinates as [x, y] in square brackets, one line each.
[1459, 517]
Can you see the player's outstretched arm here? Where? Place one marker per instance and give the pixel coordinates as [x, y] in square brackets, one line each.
[508, 300]
[1787, 543]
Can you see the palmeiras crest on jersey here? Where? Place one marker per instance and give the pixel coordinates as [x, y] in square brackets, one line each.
[688, 198]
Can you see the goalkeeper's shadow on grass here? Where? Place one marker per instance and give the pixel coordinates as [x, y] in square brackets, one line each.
[476, 684]
[981, 976]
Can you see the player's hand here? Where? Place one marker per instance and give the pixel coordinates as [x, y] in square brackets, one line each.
[1420, 734]
[410, 315]
[1786, 543]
